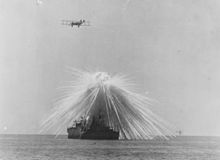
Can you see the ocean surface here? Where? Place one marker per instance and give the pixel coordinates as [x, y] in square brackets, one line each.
[41, 147]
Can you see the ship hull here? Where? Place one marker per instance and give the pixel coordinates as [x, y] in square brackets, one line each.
[97, 129]
[110, 135]
[106, 134]
[74, 133]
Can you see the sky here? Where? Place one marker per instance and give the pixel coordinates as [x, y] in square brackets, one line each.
[170, 49]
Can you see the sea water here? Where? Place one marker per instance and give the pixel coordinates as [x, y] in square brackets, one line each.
[49, 147]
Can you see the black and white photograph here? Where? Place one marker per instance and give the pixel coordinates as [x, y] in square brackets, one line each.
[109, 80]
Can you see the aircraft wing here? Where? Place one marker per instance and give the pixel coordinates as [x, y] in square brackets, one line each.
[86, 23]
[67, 22]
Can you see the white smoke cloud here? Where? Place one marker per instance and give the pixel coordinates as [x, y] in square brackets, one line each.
[92, 94]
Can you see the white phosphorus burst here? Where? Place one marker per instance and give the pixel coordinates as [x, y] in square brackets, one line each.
[123, 110]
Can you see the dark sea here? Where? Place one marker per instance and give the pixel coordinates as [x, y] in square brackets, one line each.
[48, 147]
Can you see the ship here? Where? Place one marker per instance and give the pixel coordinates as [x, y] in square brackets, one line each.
[97, 130]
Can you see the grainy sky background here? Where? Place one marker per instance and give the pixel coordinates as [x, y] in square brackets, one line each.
[171, 49]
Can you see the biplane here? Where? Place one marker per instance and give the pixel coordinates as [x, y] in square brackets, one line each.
[79, 23]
